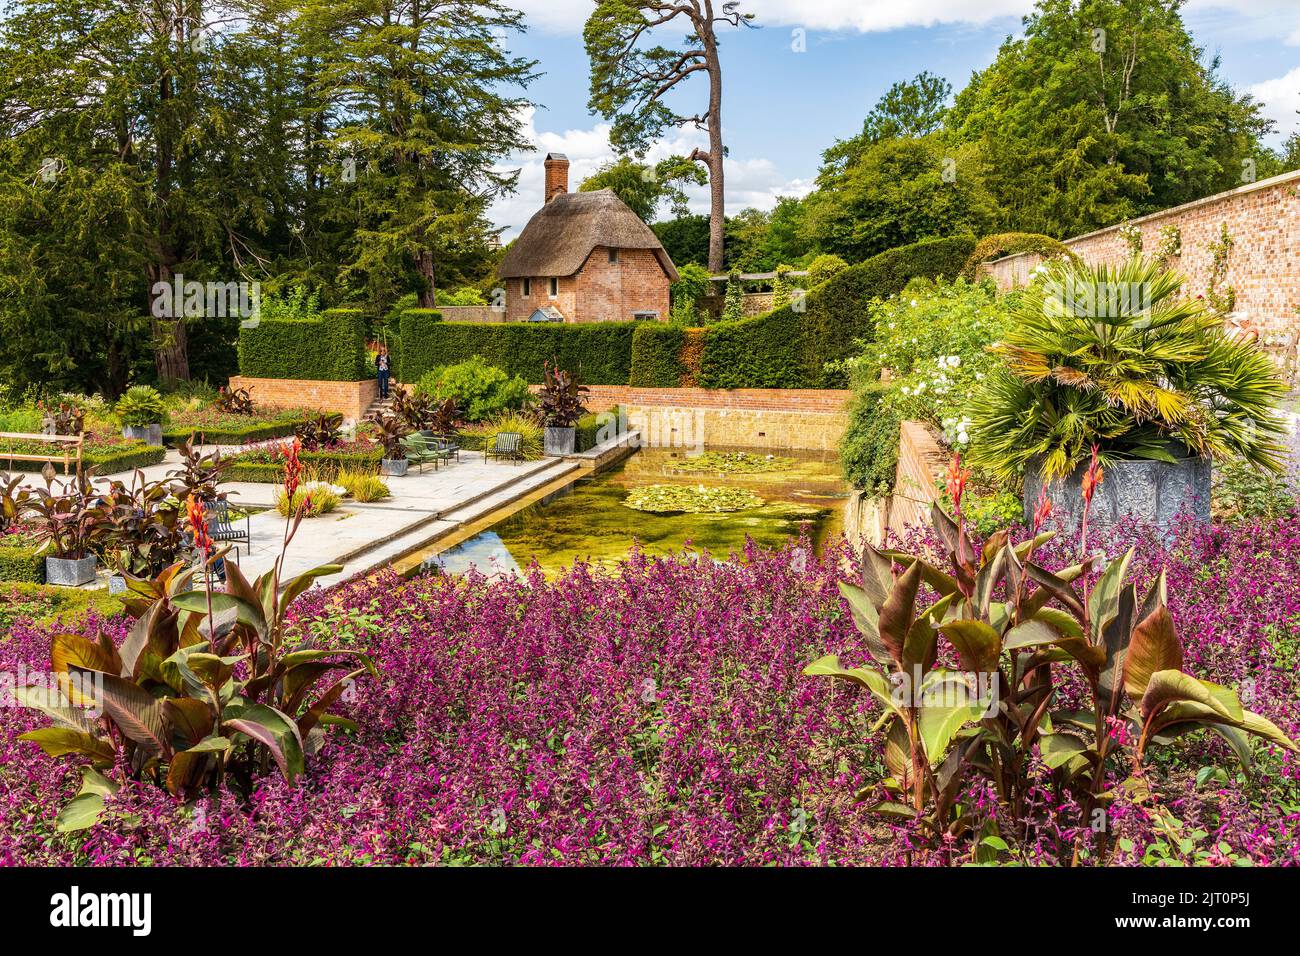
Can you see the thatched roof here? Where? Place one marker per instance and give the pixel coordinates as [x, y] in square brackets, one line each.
[560, 237]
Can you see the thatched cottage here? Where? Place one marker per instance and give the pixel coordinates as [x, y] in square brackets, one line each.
[585, 257]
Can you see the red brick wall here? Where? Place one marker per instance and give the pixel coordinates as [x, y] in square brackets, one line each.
[350, 399]
[519, 307]
[824, 401]
[1263, 266]
[612, 291]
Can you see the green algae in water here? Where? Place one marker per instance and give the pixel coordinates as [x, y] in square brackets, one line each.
[588, 520]
[671, 499]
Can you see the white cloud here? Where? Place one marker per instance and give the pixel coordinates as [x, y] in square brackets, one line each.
[1281, 99]
[750, 182]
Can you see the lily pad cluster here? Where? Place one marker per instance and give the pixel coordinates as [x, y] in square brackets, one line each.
[731, 463]
[668, 499]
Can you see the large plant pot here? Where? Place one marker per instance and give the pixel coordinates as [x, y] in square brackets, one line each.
[393, 468]
[560, 441]
[1132, 494]
[152, 434]
[70, 572]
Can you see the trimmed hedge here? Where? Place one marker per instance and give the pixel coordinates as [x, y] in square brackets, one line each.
[656, 356]
[601, 352]
[260, 431]
[869, 448]
[327, 464]
[68, 605]
[1010, 244]
[329, 349]
[22, 564]
[788, 349]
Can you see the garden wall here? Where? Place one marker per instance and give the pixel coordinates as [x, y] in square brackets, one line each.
[1263, 266]
[349, 399]
[921, 464]
[803, 419]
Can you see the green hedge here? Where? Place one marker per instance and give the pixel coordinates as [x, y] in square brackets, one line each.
[22, 564]
[601, 352]
[329, 349]
[869, 448]
[67, 606]
[259, 431]
[789, 349]
[328, 464]
[656, 356]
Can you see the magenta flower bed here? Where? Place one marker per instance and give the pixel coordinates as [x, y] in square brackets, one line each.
[656, 717]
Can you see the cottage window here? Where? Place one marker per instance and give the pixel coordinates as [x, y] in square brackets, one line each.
[613, 255]
[555, 288]
[528, 287]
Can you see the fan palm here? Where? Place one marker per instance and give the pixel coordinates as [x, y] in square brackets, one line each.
[1116, 357]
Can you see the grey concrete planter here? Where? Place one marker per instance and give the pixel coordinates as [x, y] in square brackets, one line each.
[393, 468]
[1131, 493]
[152, 434]
[70, 572]
[560, 441]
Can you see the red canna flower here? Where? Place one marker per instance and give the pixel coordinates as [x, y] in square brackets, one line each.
[1092, 478]
[1043, 510]
[292, 468]
[196, 517]
[957, 478]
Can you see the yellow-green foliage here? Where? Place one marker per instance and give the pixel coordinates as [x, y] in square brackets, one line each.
[363, 486]
[323, 501]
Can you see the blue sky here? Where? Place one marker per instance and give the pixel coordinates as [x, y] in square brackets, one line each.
[782, 108]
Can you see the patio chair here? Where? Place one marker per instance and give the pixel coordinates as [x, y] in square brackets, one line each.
[221, 528]
[448, 445]
[509, 445]
[421, 451]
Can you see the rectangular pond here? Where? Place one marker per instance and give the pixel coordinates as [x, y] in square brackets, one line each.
[769, 498]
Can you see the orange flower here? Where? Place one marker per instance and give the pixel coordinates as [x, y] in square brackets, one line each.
[1093, 477]
[957, 478]
[196, 516]
[292, 468]
[1043, 510]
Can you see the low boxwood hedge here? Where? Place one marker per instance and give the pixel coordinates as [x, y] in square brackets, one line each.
[601, 352]
[258, 431]
[21, 563]
[322, 463]
[108, 461]
[329, 349]
[53, 604]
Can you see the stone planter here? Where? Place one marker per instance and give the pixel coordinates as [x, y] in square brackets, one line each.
[560, 441]
[393, 468]
[1132, 493]
[70, 572]
[151, 434]
[116, 584]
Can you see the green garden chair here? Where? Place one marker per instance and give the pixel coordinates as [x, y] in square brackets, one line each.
[421, 451]
[508, 445]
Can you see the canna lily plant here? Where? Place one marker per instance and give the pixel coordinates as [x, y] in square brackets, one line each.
[1016, 631]
[205, 690]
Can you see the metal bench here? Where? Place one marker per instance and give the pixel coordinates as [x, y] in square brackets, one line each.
[221, 528]
[421, 451]
[509, 445]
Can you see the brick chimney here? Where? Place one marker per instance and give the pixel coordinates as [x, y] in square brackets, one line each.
[557, 175]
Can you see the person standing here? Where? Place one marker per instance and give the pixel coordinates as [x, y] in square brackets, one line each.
[382, 364]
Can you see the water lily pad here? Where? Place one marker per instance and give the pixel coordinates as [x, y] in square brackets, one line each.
[675, 499]
[731, 463]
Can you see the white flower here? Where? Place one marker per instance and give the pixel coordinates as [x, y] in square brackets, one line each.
[954, 360]
[914, 303]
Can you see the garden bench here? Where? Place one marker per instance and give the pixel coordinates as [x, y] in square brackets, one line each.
[420, 451]
[507, 445]
[221, 528]
[444, 443]
[71, 453]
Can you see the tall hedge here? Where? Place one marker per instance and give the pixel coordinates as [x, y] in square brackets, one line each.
[656, 356]
[329, 349]
[789, 349]
[600, 351]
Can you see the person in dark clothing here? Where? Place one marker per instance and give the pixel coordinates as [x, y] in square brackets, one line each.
[381, 363]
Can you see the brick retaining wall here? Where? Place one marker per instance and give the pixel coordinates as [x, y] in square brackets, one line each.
[350, 399]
